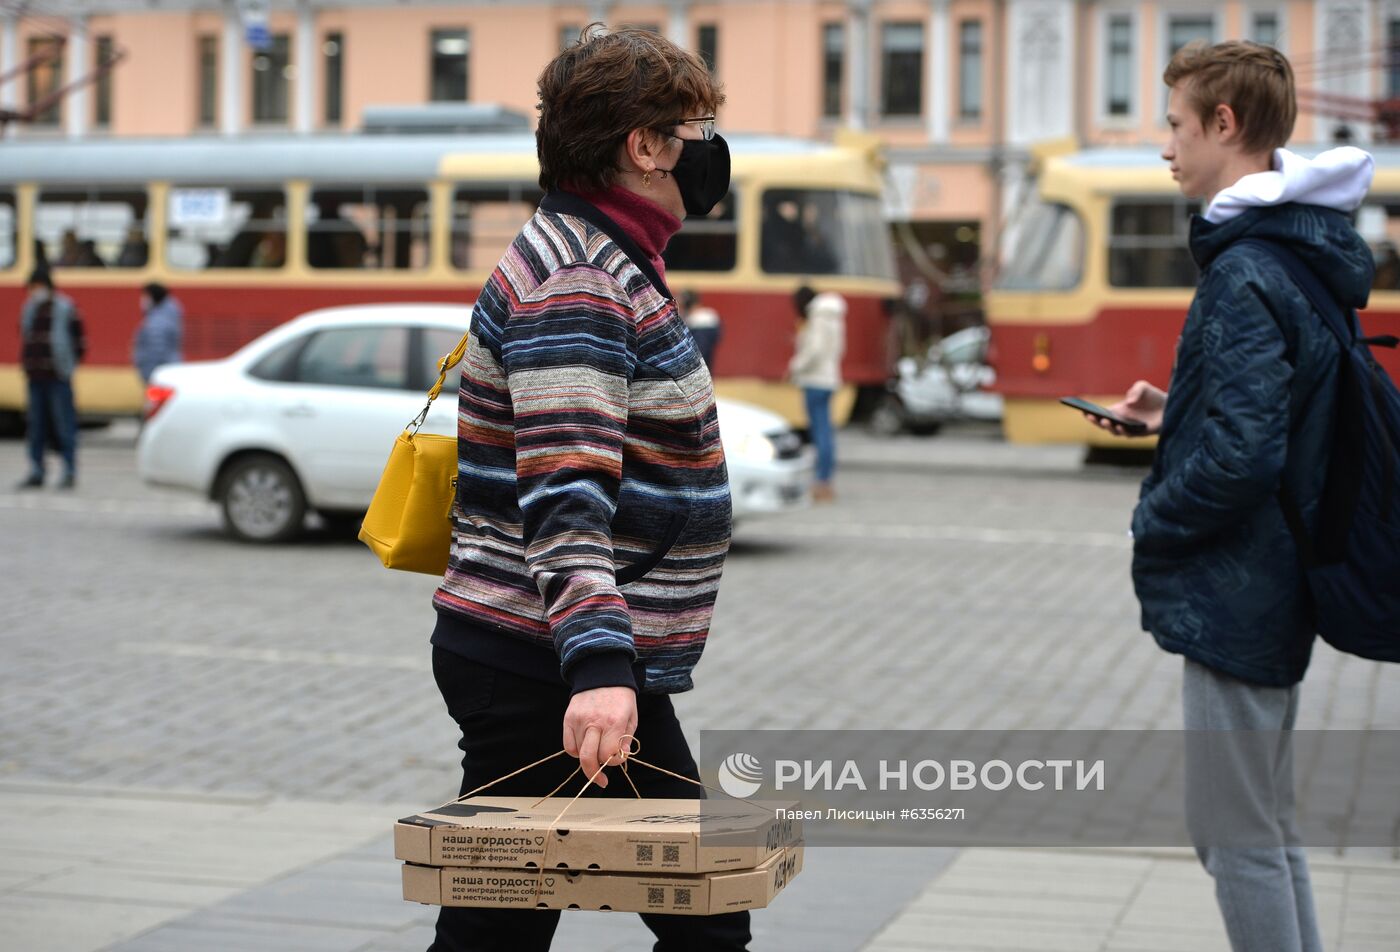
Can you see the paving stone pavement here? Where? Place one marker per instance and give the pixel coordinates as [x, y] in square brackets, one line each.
[156, 674]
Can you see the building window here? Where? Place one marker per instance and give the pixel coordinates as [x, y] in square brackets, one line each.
[1187, 28]
[970, 70]
[645, 27]
[833, 67]
[208, 80]
[333, 49]
[902, 65]
[104, 53]
[1392, 58]
[707, 45]
[45, 77]
[449, 79]
[569, 35]
[1265, 29]
[1120, 65]
[272, 74]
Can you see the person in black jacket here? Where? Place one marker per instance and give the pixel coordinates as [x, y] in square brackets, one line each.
[51, 345]
[1249, 413]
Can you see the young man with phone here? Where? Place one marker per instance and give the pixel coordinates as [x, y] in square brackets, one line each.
[1248, 419]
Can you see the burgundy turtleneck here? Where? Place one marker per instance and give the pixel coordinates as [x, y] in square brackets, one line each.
[644, 221]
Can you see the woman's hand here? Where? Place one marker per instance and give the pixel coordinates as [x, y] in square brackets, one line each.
[595, 726]
[1143, 402]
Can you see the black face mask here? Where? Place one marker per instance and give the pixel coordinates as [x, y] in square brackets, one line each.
[702, 173]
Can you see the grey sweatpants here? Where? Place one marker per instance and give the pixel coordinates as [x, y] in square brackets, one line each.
[1240, 788]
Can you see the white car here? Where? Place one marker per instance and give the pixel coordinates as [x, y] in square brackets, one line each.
[304, 416]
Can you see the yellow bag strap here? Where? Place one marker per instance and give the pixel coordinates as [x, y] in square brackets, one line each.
[444, 365]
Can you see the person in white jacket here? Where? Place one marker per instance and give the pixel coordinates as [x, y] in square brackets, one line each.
[816, 368]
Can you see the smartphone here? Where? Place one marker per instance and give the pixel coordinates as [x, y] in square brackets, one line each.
[1135, 427]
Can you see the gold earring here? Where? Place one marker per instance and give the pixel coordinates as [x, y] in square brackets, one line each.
[646, 179]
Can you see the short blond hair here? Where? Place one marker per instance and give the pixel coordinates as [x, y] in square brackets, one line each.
[1254, 80]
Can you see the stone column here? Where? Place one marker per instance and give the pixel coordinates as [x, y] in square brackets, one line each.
[858, 65]
[940, 72]
[9, 59]
[305, 62]
[75, 54]
[231, 54]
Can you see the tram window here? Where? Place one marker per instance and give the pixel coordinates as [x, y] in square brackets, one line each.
[486, 218]
[822, 232]
[374, 357]
[708, 243]
[7, 229]
[226, 228]
[92, 228]
[1044, 249]
[1148, 244]
[368, 228]
[1378, 221]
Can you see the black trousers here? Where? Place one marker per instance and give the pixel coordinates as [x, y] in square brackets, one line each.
[507, 722]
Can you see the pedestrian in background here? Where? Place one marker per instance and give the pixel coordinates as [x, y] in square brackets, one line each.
[704, 324]
[51, 345]
[159, 335]
[816, 368]
[591, 459]
[1246, 424]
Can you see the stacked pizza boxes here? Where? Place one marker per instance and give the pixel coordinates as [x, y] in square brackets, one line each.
[680, 857]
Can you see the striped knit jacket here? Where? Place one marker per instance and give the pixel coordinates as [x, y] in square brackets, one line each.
[593, 508]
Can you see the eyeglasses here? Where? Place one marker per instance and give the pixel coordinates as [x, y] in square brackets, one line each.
[707, 125]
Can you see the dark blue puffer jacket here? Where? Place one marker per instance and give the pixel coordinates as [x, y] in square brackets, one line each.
[1250, 409]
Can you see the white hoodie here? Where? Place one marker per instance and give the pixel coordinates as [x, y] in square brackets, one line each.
[820, 344]
[1338, 179]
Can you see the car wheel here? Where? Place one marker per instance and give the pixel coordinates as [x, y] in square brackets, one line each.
[888, 418]
[262, 500]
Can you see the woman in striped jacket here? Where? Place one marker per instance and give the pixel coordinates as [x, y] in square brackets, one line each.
[593, 516]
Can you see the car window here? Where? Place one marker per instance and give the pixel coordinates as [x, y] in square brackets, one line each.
[437, 344]
[279, 363]
[374, 357]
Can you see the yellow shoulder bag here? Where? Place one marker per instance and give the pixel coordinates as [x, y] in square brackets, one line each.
[409, 522]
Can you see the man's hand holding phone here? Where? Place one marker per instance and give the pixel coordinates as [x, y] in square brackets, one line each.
[1143, 404]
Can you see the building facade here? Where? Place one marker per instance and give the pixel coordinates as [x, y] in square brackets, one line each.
[957, 90]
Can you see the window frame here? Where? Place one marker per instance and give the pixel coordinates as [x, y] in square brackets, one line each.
[708, 51]
[333, 79]
[272, 188]
[1104, 63]
[524, 190]
[369, 189]
[103, 51]
[9, 197]
[207, 42]
[968, 116]
[837, 57]
[277, 43]
[405, 367]
[888, 51]
[1165, 15]
[51, 118]
[704, 225]
[94, 193]
[435, 35]
[1178, 241]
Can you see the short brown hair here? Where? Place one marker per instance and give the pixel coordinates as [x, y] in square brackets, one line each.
[1254, 80]
[601, 88]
